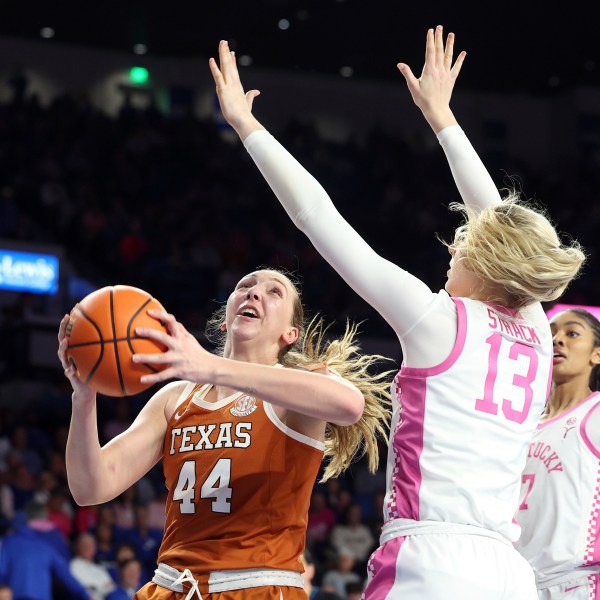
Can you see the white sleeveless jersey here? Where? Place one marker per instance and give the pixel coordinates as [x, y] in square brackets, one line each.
[560, 494]
[460, 430]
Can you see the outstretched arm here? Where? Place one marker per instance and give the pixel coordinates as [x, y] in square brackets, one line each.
[431, 92]
[398, 296]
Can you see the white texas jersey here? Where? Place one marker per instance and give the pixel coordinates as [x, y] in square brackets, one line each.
[460, 430]
[560, 494]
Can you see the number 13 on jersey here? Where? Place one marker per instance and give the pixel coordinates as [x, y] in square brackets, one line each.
[510, 356]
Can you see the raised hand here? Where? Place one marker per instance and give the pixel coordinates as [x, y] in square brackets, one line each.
[236, 105]
[186, 358]
[432, 91]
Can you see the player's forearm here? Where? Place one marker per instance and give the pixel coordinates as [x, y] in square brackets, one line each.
[318, 396]
[472, 179]
[86, 473]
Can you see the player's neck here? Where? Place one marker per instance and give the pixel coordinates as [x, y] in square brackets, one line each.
[566, 395]
[246, 351]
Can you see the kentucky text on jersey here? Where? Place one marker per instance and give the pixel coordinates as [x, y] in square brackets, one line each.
[516, 330]
[208, 437]
[545, 453]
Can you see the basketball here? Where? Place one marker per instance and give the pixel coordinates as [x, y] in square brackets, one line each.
[102, 339]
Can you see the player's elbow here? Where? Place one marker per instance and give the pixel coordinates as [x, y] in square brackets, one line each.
[82, 499]
[83, 495]
[351, 410]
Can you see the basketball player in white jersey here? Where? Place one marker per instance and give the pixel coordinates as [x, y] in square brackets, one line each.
[560, 491]
[476, 356]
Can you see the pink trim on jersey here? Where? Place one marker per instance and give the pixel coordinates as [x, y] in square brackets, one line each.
[407, 440]
[594, 584]
[592, 551]
[407, 446]
[561, 415]
[584, 435]
[382, 570]
[459, 344]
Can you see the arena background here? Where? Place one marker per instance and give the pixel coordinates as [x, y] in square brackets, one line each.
[133, 177]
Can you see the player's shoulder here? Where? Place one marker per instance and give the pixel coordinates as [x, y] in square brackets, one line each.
[171, 395]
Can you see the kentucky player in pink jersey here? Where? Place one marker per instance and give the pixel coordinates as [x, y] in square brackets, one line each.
[560, 492]
[476, 356]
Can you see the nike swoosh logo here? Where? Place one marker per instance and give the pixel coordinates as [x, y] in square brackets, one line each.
[572, 588]
[177, 416]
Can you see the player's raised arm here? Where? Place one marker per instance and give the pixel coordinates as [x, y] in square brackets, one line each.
[432, 92]
[397, 295]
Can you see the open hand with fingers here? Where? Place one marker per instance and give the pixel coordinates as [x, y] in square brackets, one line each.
[433, 89]
[186, 358]
[236, 105]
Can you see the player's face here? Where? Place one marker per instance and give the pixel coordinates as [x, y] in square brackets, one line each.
[461, 283]
[261, 308]
[574, 351]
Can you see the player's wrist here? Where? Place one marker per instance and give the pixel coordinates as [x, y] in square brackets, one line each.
[244, 127]
[439, 118]
[83, 397]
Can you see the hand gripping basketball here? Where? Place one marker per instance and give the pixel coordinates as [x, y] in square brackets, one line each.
[102, 338]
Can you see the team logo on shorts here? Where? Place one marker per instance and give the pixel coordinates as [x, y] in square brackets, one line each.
[243, 406]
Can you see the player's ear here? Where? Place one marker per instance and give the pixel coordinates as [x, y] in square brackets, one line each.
[223, 326]
[290, 336]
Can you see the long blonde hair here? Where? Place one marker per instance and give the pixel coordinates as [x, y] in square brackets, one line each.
[517, 248]
[343, 444]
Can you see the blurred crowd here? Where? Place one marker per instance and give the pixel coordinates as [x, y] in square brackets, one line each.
[176, 207]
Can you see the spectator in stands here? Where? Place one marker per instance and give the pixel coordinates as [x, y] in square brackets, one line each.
[28, 564]
[60, 511]
[45, 484]
[94, 577]
[353, 535]
[38, 521]
[336, 579]
[354, 591]
[106, 544]
[26, 454]
[314, 592]
[321, 519]
[125, 509]
[86, 518]
[130, 581]
[21, 483]
[145, 539]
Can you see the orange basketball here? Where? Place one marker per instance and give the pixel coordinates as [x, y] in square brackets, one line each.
[102, 339]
